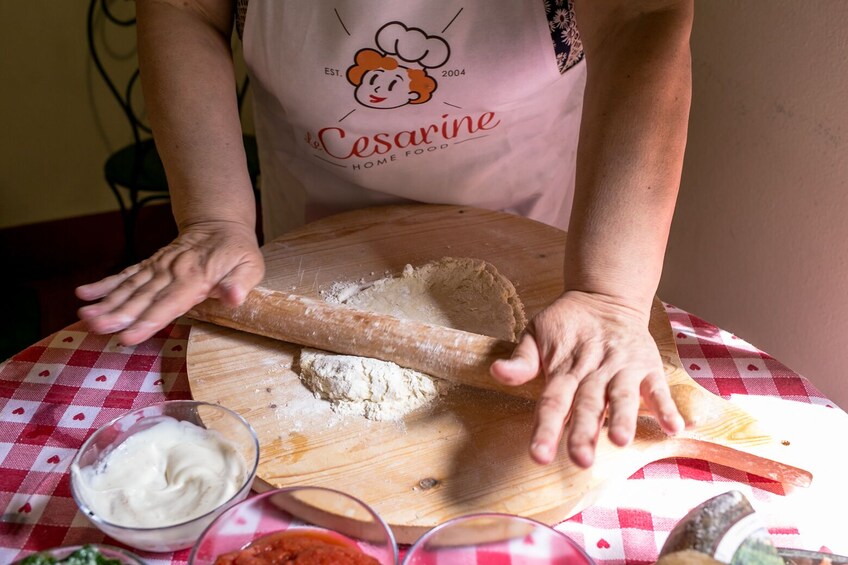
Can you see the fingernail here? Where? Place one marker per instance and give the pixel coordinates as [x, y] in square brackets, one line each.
[517, 362]
[111, 328]
[141, 327]
[582, 456]
[675, 423]
[541, 449]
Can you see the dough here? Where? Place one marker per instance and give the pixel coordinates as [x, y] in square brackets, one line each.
[465, 294]
[378, 390]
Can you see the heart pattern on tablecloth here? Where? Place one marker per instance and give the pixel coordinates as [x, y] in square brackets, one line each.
[603, 544]
[18, 411]
[68, 339]
[695, 367]
[79, 416]
[44, 373]
[101, 379]
[54, 459]
[752, 367]
[25, 509]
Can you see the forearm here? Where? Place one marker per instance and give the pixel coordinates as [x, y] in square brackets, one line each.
[189, 89]
[632, 140]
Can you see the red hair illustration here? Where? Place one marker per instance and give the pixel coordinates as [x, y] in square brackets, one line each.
[419, 82]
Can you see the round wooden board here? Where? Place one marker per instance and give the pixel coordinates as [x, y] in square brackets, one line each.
[469, 452]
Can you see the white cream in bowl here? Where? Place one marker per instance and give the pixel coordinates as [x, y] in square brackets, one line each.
[167, 474]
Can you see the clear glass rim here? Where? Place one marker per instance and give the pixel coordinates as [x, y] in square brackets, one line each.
[272, 492]
[476, 516]
[132, 557]
[84, 508]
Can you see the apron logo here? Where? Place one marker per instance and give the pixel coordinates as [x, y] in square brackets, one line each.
[396, 73]
[399, 72]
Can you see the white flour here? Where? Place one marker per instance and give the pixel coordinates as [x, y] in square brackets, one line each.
[465, 294]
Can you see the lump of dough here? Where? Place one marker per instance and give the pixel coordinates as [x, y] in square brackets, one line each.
[461, 293]
[378, 390]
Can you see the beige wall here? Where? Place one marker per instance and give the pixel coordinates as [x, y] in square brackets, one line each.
[59, 122]
[54, 145]
[759, 243]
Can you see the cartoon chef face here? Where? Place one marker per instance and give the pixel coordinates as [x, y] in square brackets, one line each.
[383, 88]
[381, 82]
[385, 79]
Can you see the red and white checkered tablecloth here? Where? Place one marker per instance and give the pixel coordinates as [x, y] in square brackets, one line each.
[54, 394]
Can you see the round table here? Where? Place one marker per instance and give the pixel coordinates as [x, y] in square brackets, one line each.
[55, 393]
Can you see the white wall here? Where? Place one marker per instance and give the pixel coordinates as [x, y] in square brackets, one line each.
[759, 243]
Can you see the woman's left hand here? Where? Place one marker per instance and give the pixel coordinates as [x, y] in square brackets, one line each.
[598, 358]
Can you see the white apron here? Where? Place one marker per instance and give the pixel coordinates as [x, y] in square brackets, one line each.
[366, 102]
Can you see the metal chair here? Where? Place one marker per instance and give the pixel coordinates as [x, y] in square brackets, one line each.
[137, 168]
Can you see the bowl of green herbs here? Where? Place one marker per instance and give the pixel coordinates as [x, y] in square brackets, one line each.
[91, 554]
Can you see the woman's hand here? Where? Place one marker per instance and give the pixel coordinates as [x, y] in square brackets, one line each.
[595, 355]
[209, 260]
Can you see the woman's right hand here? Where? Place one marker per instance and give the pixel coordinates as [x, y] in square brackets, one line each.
[218, 259]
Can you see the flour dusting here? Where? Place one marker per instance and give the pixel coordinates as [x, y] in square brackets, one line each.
[464, 294]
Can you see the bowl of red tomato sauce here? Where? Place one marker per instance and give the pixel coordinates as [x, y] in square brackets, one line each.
[304, 525]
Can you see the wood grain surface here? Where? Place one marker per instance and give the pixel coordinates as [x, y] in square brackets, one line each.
[454, 355]
[469, 452]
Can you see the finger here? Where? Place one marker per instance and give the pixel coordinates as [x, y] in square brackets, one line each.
[623, 395]
[160, 311]
[658, 399]
[234, 286]
[122, 307]
[552, 410]
[159, 302]
[587, 414]
[172, 302]
[127, 312]
[111, 314]
[184, 290]
[99, 289]
[522, 366]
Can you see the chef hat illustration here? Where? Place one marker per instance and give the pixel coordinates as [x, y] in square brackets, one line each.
[412, 45]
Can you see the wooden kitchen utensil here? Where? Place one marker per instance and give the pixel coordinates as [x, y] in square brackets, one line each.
[469, 453]
[454, 355]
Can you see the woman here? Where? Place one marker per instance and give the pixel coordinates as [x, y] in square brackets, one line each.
[513, 93]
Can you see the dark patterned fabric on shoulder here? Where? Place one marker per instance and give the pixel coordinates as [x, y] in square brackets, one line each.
[563, 25]
[241, 14]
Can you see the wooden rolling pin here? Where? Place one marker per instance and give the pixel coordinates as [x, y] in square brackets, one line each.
[716, 426]
[454, 355]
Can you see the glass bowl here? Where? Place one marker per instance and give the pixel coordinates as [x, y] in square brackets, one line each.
[467, 539]
[121, 555]
[313, 512]
[164, 474]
